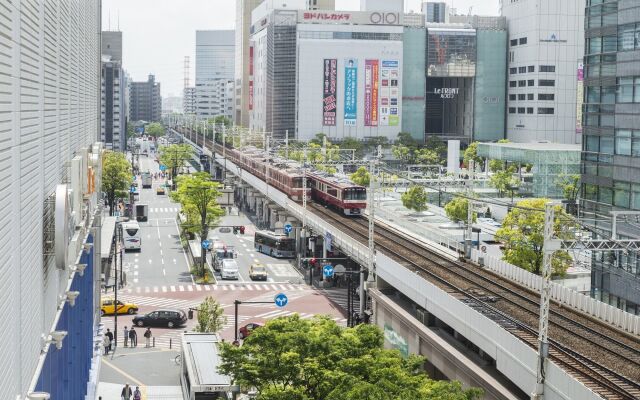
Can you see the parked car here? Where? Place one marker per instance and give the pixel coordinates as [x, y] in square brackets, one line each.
[160, 190]
[229, 269]
[258, 272]
[108, 306]
[168, 318]
[246, 330]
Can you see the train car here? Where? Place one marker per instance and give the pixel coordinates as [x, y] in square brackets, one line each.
[339, 193]
[288, 178]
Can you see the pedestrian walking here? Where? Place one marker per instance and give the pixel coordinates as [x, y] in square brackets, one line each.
[126, 392]
[147, 337]
[133, 337]
[126, 336]
[106, 343]
[109, 334]
[136, 394]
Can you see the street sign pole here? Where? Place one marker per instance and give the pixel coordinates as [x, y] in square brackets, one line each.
[237, 303]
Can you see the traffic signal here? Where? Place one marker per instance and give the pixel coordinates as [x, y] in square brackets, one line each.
[313, 262]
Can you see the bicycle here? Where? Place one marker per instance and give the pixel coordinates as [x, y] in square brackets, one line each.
[178, 359]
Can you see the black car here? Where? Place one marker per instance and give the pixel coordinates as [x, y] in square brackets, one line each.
[168, 318]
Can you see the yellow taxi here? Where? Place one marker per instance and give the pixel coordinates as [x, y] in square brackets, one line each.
[160, 190]
[109, 305]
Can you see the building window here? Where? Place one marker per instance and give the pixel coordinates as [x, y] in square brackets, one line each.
[512, 97]
[512, 110]
[546, 96]
[523, 41]
[546, 82]
[627, 142]
[545, 110]
[531, 82]
[521, 96]
[627, 37]
[531, 68]
[530, 96]
[529, 110]
[514, 42]
[522, 70]
[547, 68]
[513, 84]
[522, 83]
[513, 71]
[520, 110]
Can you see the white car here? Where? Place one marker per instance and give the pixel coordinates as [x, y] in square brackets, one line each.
[229, 269]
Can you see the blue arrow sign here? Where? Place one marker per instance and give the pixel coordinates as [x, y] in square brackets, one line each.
[206, 244]
[288, 228]
[280, 300]
[327, 270]
[163, 168]
[132, 189]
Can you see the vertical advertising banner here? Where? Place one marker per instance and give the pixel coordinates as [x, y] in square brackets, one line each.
[389, 99]
[251, 61]
[371, 92]
[330, 89]
[580, 98]
[350, 92]
[250, 95]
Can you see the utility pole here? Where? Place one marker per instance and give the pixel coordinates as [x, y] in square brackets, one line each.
[469, 239]
[372, 224]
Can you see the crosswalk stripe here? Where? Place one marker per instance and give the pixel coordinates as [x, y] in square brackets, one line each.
[306, 316]
[198, 288]
[265, 315]
[147, 290]
[207, 287]
[283, 287]
[181, 288]
[173, 288]
[215, 287]
[190, 288]
[274, 287]
[155, 289]
[249, 287]
[224, 287]
[138, 289]
[164, 289]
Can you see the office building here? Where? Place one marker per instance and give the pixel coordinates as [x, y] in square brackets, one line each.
[145, 101]
[454, 79]
[50, 123]
[214, 74]
[172, 105]
[436, 11]
[113, 101]
[611, 144]
[321, 4]
[189, 100]
[546, 47]
[334, 72]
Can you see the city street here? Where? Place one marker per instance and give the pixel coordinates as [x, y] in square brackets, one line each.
[158, 277]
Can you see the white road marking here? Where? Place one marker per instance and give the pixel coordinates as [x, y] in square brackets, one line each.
[198, 288]
[147, 290]
[138, 290]
[164, 272]
[150, 261]
[271, 314]
[244, 244]
[190, 288]
[149, 236]
[135, 280]
[135, 266]
[155, 289]
[162, 261]
[224, 287]
[160, 251]
[172, 288]
[256, 260]
[164, 289]
[169, 236]
[207, 287]
[181, 288]
[184, 253]
[249, 287]
[274, 287]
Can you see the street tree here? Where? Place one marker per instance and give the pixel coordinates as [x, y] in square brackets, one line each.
[570, 185]
[457, 210]
[436, 144]
[426, 156]
[522, 233]
[361, 177]
[353, 144]
[155, 129]
[175, 156]
[198, 196]
[402, 153]
[405, 139]
[471, 154]
[116, 177]
[300, 359]
[415, 198]
[503, 180]
[211, 317]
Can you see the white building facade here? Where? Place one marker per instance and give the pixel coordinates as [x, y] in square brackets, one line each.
[545, 83]
[189, 100]
[48, 130]
[214, 91]
[335, 72]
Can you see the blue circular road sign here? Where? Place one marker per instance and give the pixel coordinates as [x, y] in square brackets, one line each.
[163, 168]
[206, 244]
[288, 228]
[280, 300]
[327, 270]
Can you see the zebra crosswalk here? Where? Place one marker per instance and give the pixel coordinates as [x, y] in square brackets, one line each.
[282, 313]
[256, 287]
[164, 210]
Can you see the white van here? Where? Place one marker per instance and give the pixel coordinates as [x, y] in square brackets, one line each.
[131, 235]
[229, 269]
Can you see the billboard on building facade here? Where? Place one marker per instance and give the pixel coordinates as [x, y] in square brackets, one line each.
[350, 92]
[371, 89]
[330, 89]
[250, 95]
[580, 98]
[389, 92]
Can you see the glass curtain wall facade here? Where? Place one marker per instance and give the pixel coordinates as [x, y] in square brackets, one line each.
[413, 87]
[611, 145]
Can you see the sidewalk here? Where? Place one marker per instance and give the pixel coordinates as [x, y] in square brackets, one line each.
[110, 391]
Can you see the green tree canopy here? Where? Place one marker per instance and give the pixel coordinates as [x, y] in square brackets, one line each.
[154, 129]
[503, 180]
[175, 156]
[198, 196]
[361, 177]
[523, 235]
[570, 185]
[415, 198]
[471, 154]
[210, 316]
[295, 359]
[405, 139]
[402, 153]
[457, 210]
[116, 177]
[427, 156]
[436, 144]
[353, 144]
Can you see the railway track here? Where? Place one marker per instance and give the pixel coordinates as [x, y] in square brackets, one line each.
[576, 341]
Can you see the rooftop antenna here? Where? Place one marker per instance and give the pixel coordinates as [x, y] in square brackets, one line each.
[119, 20]
[109, 20]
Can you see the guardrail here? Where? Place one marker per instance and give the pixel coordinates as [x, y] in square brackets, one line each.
[563, 295]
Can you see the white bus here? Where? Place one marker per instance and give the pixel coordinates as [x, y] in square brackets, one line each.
[275, 245]
[199, 377]
[131, 235]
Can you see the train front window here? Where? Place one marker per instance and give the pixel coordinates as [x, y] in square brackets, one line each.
[355, 194]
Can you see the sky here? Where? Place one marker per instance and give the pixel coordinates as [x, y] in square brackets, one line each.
[158, 34]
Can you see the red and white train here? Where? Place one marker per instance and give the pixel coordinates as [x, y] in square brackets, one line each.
[287, 176]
